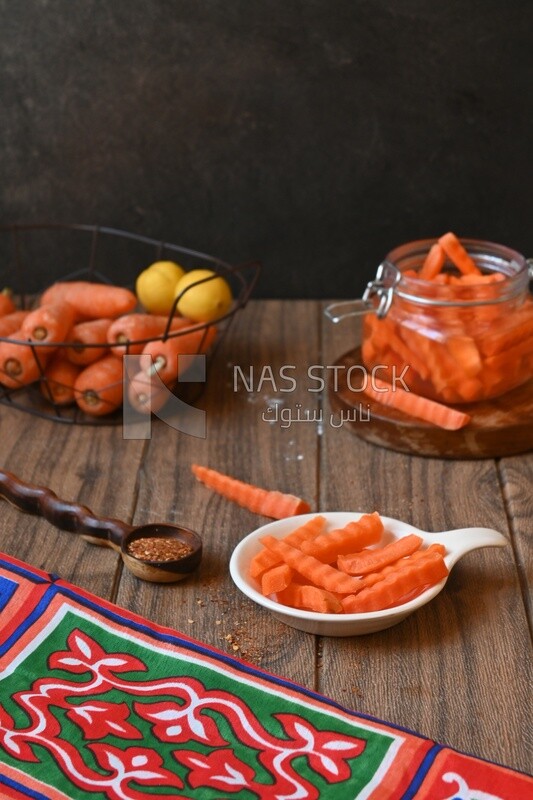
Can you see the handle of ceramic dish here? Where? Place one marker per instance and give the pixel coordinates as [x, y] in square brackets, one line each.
[42, 502]
[461, 541]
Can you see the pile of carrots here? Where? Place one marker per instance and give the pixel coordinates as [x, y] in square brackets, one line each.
[73, 341]
[455, 354]
[342, 571]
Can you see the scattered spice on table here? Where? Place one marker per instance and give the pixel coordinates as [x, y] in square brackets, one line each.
[155, 549]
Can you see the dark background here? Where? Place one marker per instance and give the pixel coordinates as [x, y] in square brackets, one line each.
[313, 135]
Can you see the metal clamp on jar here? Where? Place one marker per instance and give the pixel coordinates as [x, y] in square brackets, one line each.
[462, 341]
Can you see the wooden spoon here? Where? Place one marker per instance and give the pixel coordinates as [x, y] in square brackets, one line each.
[42, 502]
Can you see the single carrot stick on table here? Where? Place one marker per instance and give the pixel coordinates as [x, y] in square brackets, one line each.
[99, 387]
[131, 328]
[368, 561]
[416, 406]
[265, 559]
[49, 323]
[261, 501]
[20, 364]
[320, 574]
[433, 263]
[91, 300]
[12, 322]
[354, 536]
[7, 306]
[400, 582]
[89, 341]
[60, 375]
[458, 255]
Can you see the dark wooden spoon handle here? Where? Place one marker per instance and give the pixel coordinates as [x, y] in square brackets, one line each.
[72, 517]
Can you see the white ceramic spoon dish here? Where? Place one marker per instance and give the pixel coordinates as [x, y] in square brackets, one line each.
[457, 544]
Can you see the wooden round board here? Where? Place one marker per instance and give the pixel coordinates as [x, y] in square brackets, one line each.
[499, 427]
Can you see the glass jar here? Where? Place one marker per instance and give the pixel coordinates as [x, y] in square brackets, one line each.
[455, 341]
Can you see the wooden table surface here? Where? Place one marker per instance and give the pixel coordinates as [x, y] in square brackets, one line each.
[459, 670]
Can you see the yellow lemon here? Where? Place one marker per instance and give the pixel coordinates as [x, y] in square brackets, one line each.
[206, 301]
[156, 286]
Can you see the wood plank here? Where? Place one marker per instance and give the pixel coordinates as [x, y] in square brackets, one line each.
[458, 670]
[93, 466]
[241, 443]
[517, 483]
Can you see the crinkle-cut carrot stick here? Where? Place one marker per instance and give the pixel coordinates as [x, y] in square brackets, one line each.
[417, 406]
[129, 334]
[433, 263]
[458, 255]
[469, 390]
[50, 323]
[385, 335]
[503, 361]
[386, 593]
[20, 364]
[60, 375]
[99, 387]
[265, 559]
[368, 561]
[310, 598]
[89, 340]
[12, 322]
[7, 306]
[165, 355]
[91, 300]
[276, 579]
[320, 574]
[261, 501]
[512, 331]
[464, 351]
[376, 577]
[443, 278]
[354, 536]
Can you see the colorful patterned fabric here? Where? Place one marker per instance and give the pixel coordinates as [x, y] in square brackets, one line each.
[96, 702]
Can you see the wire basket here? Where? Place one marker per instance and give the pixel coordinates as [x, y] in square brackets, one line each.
[33, 256]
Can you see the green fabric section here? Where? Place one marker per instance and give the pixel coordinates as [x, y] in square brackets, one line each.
[264, 704]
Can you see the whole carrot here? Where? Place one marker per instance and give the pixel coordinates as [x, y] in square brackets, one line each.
[7, 306]
[165, 355]
[20, 364]
[89, 340]
[12, 322]
[147, 394]
[60, 375]
[92, 300]
[129, 334]
[49, 323]
[98, 388]
[260, 501]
